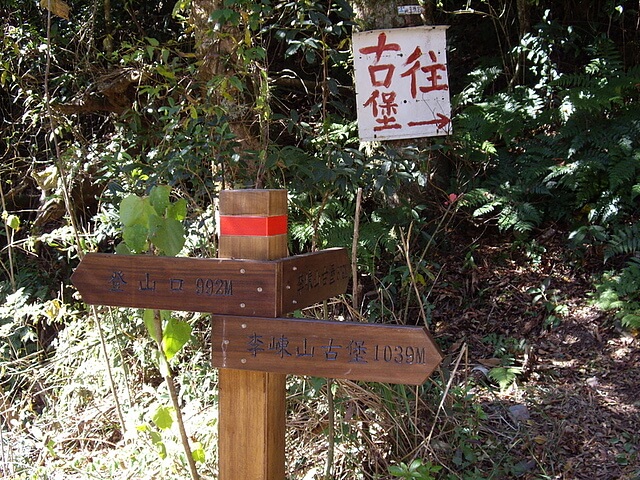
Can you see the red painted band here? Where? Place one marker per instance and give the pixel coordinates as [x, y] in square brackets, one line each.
[253, 226]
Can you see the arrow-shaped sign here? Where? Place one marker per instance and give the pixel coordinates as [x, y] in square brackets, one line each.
[220, 286]
[356, 351]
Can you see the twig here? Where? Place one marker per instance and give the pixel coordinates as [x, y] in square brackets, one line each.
[463, 352]
[173, 394]
[412, 274]
[331, 433]
[70, 212]
[354, 252]
[9, 234]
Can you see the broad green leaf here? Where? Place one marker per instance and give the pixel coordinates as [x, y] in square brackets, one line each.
[236, 82]
[197, 452]
[156, 439]
[176, 334]
[135, 236]
[123, 249]
[159, 198]
[165, 72]
[397, 470]
[13, 222]
[163, 417]
[134, 210]
[177, 210]
[169, 237]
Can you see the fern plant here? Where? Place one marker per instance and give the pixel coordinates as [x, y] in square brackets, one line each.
[571, 155]
[624, 241]
[620, 292]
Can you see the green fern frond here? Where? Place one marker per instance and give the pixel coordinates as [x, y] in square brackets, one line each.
[625, 241]
[475, 197]
[485, 209]
[624, 171]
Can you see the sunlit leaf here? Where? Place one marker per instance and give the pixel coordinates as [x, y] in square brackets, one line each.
[177, 210]
[159, 198]
[176, 334]
[197, 452]
[169, 237]
[504, 376]
[135, 236]
[163, 417]
[156, 439]
[13, 222]
[149, 321]
[133, 210]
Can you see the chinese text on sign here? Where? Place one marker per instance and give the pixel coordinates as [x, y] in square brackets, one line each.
[402, 88]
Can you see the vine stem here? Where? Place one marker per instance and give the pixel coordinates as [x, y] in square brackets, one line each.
[354, 252]
[10, 270]
[331, 413]
[72, 219]
[173, 394]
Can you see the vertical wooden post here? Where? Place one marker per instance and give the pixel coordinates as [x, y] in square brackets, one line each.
[252, 405]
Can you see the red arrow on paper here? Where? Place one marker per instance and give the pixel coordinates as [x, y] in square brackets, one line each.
[440, 122]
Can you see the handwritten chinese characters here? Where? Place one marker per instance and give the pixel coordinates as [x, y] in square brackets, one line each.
[402, 87]
[357, 351]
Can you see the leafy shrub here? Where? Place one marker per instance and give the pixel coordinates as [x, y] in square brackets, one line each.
[619, 291]
[565, 148]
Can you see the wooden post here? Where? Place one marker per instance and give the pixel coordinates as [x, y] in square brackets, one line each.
[252, 405]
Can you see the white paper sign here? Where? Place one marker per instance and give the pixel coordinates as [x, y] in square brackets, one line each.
[402, 87]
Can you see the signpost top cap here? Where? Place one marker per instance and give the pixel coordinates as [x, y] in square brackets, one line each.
[253, 202]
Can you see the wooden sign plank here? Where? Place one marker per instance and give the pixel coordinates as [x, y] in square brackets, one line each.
[356, 351]
[221, 286]
[314, 277]
[177, 283]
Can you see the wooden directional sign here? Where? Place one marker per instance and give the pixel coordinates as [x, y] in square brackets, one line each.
[313, 277]
[168, 283]
[356, 351]
[224, 286]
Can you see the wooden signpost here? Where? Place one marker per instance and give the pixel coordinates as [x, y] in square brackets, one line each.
[357, 351]
[247, 289]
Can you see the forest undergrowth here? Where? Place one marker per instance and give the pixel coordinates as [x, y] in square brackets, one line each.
[537, 382]
[514, 240]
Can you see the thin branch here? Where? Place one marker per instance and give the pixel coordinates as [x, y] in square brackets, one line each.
[9, 234]
[173, 394]
[354, 252]
[70, 212]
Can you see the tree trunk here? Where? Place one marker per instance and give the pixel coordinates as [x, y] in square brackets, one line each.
[378, 14]
[217, 50]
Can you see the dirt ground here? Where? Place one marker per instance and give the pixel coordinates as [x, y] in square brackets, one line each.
[574, 411]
